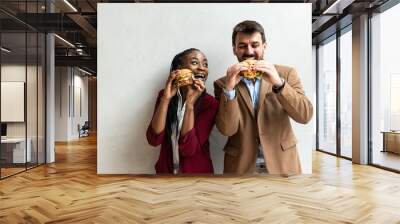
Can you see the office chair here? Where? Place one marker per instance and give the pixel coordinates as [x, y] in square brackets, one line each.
[84, 130]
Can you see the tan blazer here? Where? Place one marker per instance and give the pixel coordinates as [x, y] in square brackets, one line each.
[269, 125]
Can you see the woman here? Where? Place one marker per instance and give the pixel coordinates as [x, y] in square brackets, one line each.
[183, 119]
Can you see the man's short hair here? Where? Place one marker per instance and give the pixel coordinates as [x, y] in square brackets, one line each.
[248, 27]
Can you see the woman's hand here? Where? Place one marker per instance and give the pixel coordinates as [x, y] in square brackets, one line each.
[170, 90]
[194, 92]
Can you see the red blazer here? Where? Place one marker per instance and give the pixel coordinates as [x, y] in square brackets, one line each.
[194, 147]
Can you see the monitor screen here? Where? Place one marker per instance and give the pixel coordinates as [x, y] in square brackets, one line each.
[3, 129]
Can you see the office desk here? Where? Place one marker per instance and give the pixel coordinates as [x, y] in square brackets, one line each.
[13, 150]
[391, 141]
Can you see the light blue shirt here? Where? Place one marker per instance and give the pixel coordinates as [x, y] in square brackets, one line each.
[254, 90]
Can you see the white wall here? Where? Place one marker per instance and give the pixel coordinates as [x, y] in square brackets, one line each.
[81, 97]
[61, 103]
[18, 73]
[313, 94]
[13, 101]
[134, 59]
[69, 81]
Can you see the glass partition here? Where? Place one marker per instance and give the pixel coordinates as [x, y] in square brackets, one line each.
[327, 96]
[385, 89]
[346, 94]
[22, 63]
[14, 153]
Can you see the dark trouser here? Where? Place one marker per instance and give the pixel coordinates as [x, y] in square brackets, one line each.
[260, 162]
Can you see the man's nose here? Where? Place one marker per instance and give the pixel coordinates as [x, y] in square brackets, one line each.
[249, 50]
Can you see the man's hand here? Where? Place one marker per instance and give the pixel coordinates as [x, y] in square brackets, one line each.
[232, 75]
[270, 72]
[170, 90]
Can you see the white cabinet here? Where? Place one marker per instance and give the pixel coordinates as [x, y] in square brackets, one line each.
[18, 149]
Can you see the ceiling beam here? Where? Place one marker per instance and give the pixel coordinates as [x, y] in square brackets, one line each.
[337, 6]
[85, 61]
[85, 25]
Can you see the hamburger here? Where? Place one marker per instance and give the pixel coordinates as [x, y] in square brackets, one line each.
[251, 73]
[185, 77]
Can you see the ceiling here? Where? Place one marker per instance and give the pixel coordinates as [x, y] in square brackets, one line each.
[76, 22]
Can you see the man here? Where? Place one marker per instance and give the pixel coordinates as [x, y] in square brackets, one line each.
[255, 113]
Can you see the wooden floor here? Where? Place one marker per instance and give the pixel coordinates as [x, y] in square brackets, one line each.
[5, 172]
[69, 191]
